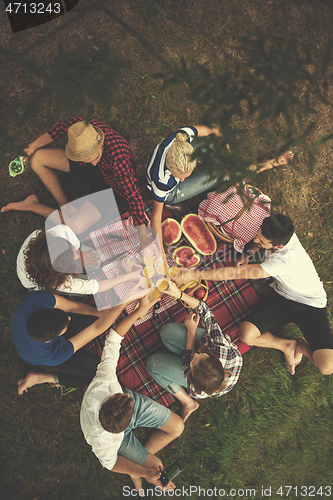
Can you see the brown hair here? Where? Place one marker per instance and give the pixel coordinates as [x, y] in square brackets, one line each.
[38, 263]
[278, 229]
[178, 158]
[207, 374]
[116, 413]
[45, 325]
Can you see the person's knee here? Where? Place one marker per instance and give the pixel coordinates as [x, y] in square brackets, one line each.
[165, 332]
[35, 160]
[323, 361]
[248, 332]
[177, 424]
[151, 363]
[326, 367]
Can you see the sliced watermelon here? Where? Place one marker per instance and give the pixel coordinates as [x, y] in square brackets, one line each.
[171, 231]
[186, 257]
[198, 234]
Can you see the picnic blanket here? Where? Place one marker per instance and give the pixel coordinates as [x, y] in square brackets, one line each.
[230, 301]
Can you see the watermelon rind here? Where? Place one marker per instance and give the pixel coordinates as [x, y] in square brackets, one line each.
[180, 261]
[207, 249]
[219, 234]
[176, 228]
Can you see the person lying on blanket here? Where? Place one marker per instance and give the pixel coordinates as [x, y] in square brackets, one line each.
[203, 361]
[169, 170]
[297, 296]
[109, 413]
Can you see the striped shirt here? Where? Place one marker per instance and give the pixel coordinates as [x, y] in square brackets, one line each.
[160, 180]
[220, 345]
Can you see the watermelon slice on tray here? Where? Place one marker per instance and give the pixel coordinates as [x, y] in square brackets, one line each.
[185, 256]
[171, 231]
[198, 234]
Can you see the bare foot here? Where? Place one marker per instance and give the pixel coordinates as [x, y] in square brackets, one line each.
[283, 159]
[289, 354]
[32, 379]
[298, 352]
[24, 206]
[189, 408]
[137, 481]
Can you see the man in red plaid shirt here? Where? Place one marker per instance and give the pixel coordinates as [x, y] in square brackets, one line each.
[90, 145]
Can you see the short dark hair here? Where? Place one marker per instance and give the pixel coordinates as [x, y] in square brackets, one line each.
[278, 229]
[116, 413]
[46, 324]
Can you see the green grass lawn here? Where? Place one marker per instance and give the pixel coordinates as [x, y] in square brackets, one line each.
[273, 430]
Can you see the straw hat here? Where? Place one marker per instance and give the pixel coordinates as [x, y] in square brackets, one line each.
[84, 141]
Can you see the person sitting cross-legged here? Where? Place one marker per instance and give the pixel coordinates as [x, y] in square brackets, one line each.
[95, 153]
[203, 362]
[297, 296]
[110, 412]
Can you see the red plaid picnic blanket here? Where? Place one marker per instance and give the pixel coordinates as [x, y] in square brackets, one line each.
[219, 208]
[230, 302]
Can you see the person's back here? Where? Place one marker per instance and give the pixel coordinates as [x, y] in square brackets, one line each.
[296, 276]
[35, 352]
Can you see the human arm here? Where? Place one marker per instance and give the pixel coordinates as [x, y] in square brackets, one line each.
[144, 305]
[97, 328]
[112, 282]
[118, 172]
[148, 245]
[56, 132]
[248, 271]
[41, 141]
[71, 306]
[244, 257]
[191, 323]
[174, 291]
[203, 130]
[156, 222]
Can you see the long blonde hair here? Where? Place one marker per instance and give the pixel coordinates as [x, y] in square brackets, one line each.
[178, 158]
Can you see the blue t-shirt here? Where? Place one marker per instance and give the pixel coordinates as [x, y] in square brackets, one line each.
[160, 180]
[33, 352]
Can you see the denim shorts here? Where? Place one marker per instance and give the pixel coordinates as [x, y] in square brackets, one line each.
[147, 413]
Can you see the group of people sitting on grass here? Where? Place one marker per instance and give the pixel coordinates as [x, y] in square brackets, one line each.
[50, 331]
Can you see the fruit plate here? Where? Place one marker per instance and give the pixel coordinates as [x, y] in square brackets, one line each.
[192, 287]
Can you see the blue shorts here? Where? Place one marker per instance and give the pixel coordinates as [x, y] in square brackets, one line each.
[147, 413]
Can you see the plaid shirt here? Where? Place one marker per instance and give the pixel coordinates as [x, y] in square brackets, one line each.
[115, 165]
[220, 345]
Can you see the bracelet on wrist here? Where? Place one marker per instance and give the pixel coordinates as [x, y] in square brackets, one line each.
[181, 294]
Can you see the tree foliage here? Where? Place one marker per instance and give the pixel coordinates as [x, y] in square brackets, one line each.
[264, 96]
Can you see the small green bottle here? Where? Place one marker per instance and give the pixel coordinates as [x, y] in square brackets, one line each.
[16, 166]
